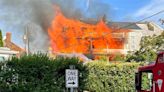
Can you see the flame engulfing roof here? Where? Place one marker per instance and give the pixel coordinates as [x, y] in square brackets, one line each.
[70, 35]
[123, 25]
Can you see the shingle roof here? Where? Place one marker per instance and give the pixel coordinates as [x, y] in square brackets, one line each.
[125, 25]
[90, 21]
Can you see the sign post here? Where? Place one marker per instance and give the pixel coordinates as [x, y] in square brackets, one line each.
[71, 78]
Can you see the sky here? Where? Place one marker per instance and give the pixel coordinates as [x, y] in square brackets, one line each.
[134, 10]
[16, 14]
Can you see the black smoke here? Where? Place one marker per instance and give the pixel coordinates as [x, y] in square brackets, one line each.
[17, 15]
[83, 9]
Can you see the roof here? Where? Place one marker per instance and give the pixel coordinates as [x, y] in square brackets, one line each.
[147, 68]
[8, 43]
[13, 46]
[4, 50]
[160, 52]
[89, 21]
[150, 66]
[125, 25]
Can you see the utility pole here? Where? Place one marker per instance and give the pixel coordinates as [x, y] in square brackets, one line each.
[107, 47]
[90, 39]
[26, 38]
[107, 51]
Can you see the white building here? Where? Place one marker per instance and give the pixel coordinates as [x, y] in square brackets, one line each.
[137, 31]
[6, 53]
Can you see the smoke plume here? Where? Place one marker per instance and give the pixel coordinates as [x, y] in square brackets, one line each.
[83, 9]
[18, 14]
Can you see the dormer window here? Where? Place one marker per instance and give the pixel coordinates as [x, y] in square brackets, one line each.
[150, 27]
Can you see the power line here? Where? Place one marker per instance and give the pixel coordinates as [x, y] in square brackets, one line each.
[136, 22]
[143, 19]
[91, 38]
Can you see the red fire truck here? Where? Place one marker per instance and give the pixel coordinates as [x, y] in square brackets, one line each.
[150, 78]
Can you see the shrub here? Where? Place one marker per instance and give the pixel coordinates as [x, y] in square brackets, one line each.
[35, 73]
[109, 77]
[39, 73]
[1, 39]
[118, 57]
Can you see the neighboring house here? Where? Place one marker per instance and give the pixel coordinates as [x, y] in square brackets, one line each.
[6, 53]
[9, 44]
[137, 31]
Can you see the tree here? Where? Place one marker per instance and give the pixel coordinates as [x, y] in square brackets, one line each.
[149, 46]
[1, 39]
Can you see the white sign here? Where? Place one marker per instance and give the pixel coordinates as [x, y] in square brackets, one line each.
[71, 78]
[159, 82]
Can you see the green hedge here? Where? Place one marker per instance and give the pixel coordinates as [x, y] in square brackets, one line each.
[35, 73]
[110, 77]
[39, 73]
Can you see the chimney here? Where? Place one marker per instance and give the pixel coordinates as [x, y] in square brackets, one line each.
[8, 37]
[104, 19]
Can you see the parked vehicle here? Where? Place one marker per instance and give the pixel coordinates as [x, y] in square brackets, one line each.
[150, 78]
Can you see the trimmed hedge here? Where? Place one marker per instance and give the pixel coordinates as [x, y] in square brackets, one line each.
[110, 77]
[39, 73]
[36, 73]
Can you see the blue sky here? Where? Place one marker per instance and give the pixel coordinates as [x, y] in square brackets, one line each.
[13, 17]
[133, 10]
[123, 9]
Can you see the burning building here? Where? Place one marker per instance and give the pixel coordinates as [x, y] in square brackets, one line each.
[68, 35]
[77, 36]
[71, 34]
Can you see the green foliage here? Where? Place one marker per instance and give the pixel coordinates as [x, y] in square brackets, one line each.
[107, 77]
[103, 58]
[90, 56]
[1, 39]
[118, 57]
[138, 56]
[35, 73]
[149, 47]
[39, 73]
[146, 82]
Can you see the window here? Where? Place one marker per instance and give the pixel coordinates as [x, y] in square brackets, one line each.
[133, 43]
[146, 81]
[2, 59]
[150, 27]
[161, 58]
[137, 81]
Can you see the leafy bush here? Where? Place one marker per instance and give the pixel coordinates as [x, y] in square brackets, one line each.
[149, 45]
[39, 73]
[109, 77]
[35, 73]
[1, 39]
[118, 57]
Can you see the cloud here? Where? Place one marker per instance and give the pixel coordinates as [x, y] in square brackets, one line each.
[153, 7]
[116, 8]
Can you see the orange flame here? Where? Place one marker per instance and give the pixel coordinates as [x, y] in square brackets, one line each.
[70, 35]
